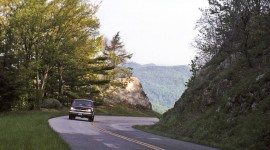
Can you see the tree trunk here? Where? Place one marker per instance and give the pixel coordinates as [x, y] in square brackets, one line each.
[40, 86]
[44, 80]
[37, 101]
[60, 87]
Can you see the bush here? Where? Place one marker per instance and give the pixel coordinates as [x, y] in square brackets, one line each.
[7, 91]
[51, 103]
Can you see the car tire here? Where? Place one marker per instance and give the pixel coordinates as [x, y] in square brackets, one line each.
[71, 117]
[91, 119]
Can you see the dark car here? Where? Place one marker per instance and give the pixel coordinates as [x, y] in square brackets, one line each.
[83, 108]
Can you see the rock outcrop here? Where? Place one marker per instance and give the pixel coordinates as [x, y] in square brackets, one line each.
[133, 95]
[226, 101]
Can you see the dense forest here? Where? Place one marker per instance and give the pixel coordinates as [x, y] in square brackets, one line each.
[227, 102]
[52, 49]
[162, 84]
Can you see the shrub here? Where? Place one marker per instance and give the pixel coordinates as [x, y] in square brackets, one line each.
[51, 103]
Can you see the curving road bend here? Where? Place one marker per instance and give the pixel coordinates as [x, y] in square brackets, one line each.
[114, 132]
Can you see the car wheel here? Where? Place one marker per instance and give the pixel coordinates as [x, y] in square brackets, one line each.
[71, 117]
[91, 119]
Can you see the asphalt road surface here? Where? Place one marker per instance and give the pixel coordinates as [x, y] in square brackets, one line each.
[113, 132]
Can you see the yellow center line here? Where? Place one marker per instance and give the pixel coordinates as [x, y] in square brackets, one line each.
[127, 138]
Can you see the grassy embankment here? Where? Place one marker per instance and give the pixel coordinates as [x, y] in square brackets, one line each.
[31, 130]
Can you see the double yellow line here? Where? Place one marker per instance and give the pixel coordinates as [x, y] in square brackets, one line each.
[127, 138]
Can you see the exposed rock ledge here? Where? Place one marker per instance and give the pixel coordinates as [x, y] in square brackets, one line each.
[133, 95]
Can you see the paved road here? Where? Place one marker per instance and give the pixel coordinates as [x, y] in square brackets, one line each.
[111, 132]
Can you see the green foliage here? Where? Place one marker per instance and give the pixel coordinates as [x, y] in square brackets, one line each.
[41, 37]
[115, 56]
[52, 48]
[227, 103]
[233, 27]
[51, 103]
[7, 91]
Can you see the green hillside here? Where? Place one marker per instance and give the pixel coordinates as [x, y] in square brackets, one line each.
[162, 84]
[227, 102]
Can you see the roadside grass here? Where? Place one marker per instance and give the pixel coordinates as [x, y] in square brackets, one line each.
[29, 130]
[123, 110]
[248, 132]
[174, 134]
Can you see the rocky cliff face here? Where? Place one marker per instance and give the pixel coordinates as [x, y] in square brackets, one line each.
[227, 102]
[133, 95]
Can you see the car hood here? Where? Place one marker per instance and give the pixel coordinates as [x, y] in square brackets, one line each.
[81, 107]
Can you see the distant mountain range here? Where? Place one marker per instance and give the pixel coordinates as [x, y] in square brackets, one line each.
[162, 84]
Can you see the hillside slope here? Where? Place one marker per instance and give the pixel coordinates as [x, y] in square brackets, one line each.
[162, 84]
[227, 102]
[230, 106]
[226, 105]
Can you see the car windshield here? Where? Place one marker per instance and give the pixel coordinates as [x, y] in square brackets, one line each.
[83, 103]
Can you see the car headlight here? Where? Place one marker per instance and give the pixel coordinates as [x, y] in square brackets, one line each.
[72, 108]
[89, 110]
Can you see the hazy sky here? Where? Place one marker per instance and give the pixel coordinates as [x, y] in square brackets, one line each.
[155, 31]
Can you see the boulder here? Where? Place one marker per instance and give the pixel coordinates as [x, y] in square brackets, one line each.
[133, 95]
